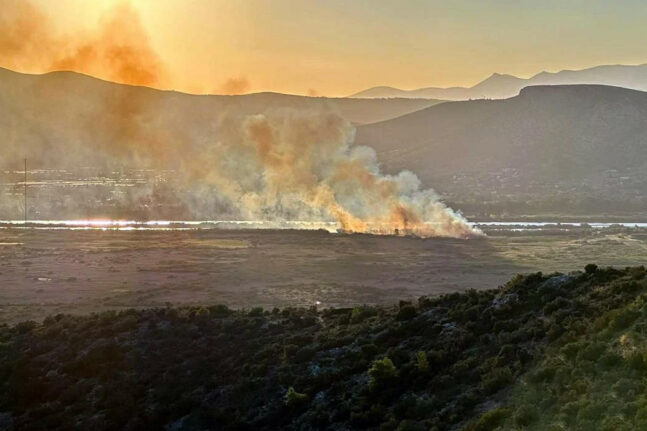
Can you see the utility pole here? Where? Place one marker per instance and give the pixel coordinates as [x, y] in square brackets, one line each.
[25, 184]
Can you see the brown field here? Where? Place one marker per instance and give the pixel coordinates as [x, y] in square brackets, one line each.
[44, 272]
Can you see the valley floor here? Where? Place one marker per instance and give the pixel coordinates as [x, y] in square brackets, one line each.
[46, 272]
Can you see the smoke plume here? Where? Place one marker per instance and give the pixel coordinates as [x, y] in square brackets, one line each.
[118, 50]
[274, 165]
[288, 165]
[239, 85]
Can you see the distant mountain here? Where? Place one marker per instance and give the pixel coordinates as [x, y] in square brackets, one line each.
[561, 147]
[500, 86]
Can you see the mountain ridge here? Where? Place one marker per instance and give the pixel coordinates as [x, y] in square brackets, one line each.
[353, 110]
[500, 86]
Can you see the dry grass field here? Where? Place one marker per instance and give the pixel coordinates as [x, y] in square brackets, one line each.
[44, 272]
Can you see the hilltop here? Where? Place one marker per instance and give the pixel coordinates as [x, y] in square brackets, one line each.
[58, 108]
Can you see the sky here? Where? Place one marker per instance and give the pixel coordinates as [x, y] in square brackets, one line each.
[324, 47]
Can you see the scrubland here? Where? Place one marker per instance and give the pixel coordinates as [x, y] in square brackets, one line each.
[544, 351]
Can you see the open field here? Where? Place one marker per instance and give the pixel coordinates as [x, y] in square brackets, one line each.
[44, 272]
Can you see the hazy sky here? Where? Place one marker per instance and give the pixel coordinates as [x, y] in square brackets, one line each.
[335, 47]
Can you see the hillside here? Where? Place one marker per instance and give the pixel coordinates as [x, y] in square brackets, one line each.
[115, 149]
[551, 149]
[41, 111]
[542, 352]
[500, 86]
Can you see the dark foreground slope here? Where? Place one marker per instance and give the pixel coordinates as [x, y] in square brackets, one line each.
[576, 149]
[542, 352]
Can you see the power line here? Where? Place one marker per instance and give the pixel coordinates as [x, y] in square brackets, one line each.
[25, 185]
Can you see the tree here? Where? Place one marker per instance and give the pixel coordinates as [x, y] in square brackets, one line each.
[382, 372]
[591, 268]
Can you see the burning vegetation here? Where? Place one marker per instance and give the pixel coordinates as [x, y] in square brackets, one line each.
[277, 165]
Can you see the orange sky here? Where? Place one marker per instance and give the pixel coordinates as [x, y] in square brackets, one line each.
[331, 47]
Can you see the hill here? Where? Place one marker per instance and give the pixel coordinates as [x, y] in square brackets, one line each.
[44, 110]
[120, 151]
[551, 149]
[542, 352]
[500, 86]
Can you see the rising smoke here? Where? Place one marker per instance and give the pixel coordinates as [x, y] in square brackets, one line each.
[288, 165]
[118, 50]
[237, 85]
[275, 164]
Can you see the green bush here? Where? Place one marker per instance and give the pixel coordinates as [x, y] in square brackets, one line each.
[525, 415]
[623, 318]
[496, 380]
[359, 314]
[422, 364]
[220, 310]
[407, 312]
[382, 372]
[294, 399]
[491, 420]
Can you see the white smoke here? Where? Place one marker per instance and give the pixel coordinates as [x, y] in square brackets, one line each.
[289, 165]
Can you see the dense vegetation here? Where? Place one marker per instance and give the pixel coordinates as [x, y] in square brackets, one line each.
[542, 352]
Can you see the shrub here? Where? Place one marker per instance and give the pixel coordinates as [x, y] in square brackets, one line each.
[202, 312]
[220, 310]
[557, 304]
[409, 425]
[406, 313]
[25, 327]
[525, 415]
[256, 312]
[422, 363]
[369, 351]
[623, 318]
[490, 420]
[591, 352]
[497, 379]
[382, 372]
[294, 399]
[359, 314]
[591, 268]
